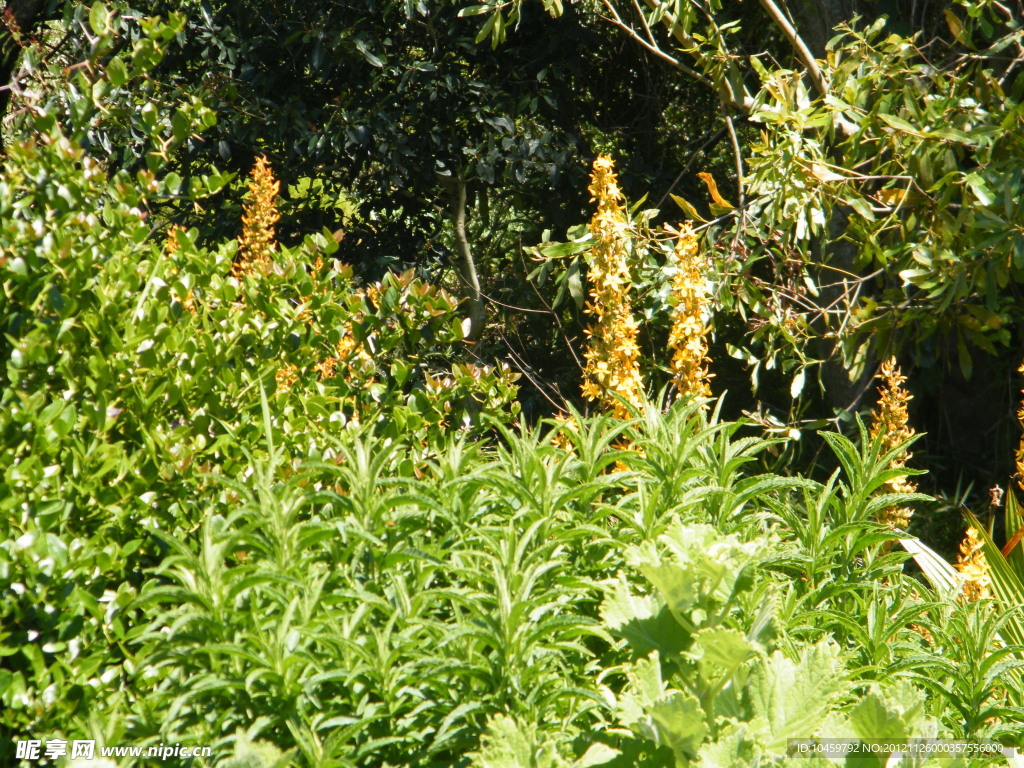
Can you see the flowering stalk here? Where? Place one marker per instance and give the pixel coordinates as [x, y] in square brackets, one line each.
[688, 335]
[973, 568]
[613, 356]
[889, 420]
[1020, 449]
[257, 243]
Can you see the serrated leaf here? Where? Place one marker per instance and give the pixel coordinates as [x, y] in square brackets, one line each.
[733, 749]
[720, 651]
[644, 623]
[896, 713]
[680, 724]
[510, 743]
[793, 697]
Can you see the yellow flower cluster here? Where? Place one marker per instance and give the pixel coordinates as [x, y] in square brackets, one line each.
[257, 243]
[170, 248]
[688, 336]
[973, 568]
[343, 350]
[889, 419]
[613, 356]
[1020, 449]
[286, 376]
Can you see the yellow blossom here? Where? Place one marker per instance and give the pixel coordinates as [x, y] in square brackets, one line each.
[973, 568]
[257, 243]
[1020, 449]
[613, 356]
[889, 420]
[170, 248]
[326, 367]
[286, 376]
[688, 335]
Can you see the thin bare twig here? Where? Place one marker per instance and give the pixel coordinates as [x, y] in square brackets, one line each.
[617, 21]
[738, 156]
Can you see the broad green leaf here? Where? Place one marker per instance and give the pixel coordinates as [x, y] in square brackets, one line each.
[597, 754]
[117, 72]
[895, 713]
[510, 743]
[680, 724]
[646, 624]
[980, 188]
[792, 698]
[734, 748]
[99, 18]
[720, 651]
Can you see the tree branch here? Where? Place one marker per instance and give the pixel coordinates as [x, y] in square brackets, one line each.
[457, 187]
[802, 51]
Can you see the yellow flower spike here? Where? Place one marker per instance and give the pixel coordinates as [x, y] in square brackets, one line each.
[613, 355]
[687, 337]
[889, 420]
[1019, 456]
[973, 568]
[257, 243]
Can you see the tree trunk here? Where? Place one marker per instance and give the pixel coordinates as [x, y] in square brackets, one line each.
[467, 269]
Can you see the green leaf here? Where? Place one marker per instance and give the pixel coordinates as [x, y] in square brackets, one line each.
[734, 748]
[896, 713]
[797, 385]
[899, 124]
[980, 188]
[597, 754]
[575, 283]
[99, 18]
[117, 72]
[256, 754]
[510, 743]
[861, 206]
[644, 622]
[473, 10]
[720, 651]
[1007, 585]
[941, 575]
[688, 209]
[1014, 521]
[792, 698]
[680, 724]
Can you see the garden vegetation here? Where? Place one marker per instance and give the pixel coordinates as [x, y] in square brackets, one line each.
[320, 496]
